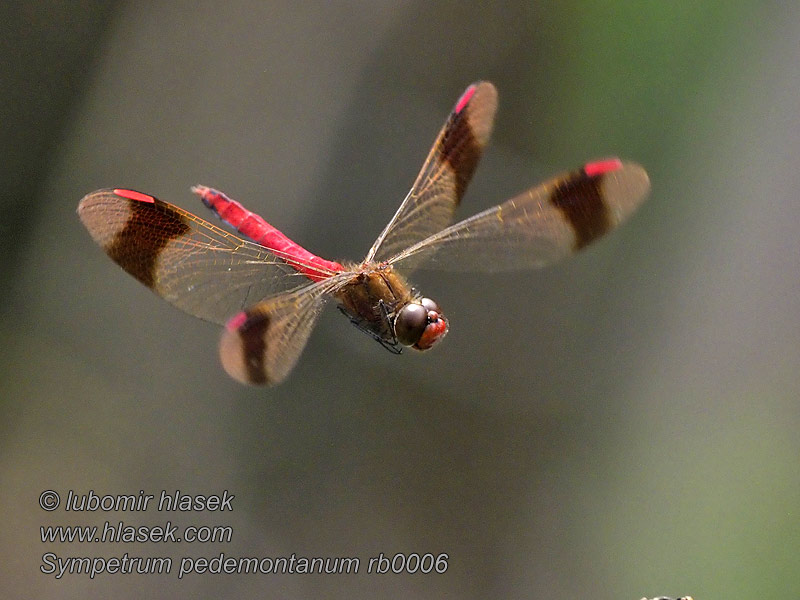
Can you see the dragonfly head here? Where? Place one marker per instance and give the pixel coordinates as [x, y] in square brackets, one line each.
[420, 324]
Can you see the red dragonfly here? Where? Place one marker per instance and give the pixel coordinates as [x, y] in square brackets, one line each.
[268, 291]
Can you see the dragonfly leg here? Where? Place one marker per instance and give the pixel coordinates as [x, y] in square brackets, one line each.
[392, 345]
[394, 348]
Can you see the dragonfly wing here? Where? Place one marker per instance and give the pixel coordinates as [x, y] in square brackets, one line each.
[538, 227]
[444, 177]
[200, 268]
[261, 344]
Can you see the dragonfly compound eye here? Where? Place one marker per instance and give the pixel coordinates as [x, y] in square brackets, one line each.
[430, 305]
[420, 325]
[410, 323]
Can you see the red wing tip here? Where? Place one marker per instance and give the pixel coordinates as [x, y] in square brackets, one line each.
[465, 98]
[134, 195]
[602, 166]
[236, 321]
[199, 189]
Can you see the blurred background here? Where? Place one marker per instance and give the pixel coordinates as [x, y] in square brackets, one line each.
[620, 425]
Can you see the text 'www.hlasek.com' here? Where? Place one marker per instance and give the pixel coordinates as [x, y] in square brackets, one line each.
[178, 505]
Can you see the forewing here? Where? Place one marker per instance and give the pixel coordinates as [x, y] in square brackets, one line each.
[538, 227]
[200, 268]
[261, 344]
[440, 185]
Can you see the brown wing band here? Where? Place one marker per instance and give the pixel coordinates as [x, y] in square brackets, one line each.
[136, 247]
[461, 151]
[580, 199]
[252, 334]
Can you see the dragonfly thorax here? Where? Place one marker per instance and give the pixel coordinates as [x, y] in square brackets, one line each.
[380, 302]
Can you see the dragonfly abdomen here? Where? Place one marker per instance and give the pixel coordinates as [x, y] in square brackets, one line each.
[257, 229]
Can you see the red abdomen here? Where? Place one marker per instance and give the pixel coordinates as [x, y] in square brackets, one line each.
[257, 229]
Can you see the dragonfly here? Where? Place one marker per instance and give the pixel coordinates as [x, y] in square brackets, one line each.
[268, 291]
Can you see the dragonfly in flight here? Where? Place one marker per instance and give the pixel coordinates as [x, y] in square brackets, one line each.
[268, 291]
